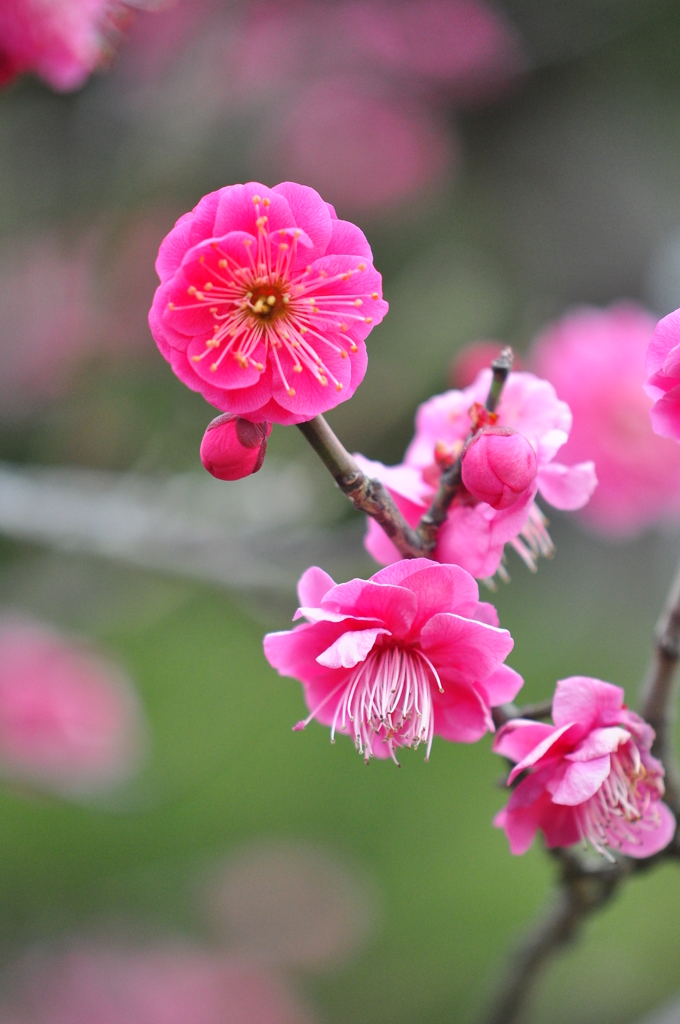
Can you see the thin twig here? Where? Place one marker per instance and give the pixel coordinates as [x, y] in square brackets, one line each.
[372, 497]
[505, 712]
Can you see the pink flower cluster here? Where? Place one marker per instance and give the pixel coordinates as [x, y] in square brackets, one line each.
[475, 532]
[265, 302]
[595, 358]
[394, 660]
[663, 376]
[590, 777]
[61, 41]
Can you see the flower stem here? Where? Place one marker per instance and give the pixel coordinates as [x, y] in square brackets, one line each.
[370, 496]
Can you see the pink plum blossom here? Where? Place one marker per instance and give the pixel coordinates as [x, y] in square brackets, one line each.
[595, 358]
[663, 376]
[475, 533]
[498, 465]
[395, 659]
[61, 41]
[265, 302]
[69, 721]
[590, 776]
[233, 448]
[170, 982]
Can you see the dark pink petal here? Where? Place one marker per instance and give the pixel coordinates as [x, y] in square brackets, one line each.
[650, 836]
[294, 652]
[311, 214]
[502, 686]
[313, 585]
[440, 588]
[665, 414]
[348, 239]
[559, 825]
[350, 648]
[580, 781]
[664, 340]
[460, 714]
[567, 487]
[599, 742]
[238, 212]
[463, 649]
[587, 702]
[520, 827]
[401, 570]
[483, 612]
[395, 607]
[543, 748]
[519, 737]
[173, 247]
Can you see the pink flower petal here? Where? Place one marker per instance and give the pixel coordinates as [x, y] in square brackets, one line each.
[440, 587]
[517, 738]
[463, 649]
[502, 686]
[581, 780]
[599, 742]
[589, 702]
[461, 714]
[395, 607]
[544, 747]
[567, 487]
[313, 585]
[650, 837]
[350, 648]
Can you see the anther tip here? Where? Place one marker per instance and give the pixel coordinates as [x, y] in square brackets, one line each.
[299, 726]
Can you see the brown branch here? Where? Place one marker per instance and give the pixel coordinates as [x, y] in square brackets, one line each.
[372, 497]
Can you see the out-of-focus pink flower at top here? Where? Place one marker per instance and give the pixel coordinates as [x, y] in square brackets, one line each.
[233, 448]
[61, 41]
[471, 359]
[47, 316]
[663, 376]
[397, 658]
[474, 533]
[595, 358]
[466, 45]
[265, 302]
[366, 151]
[69, 721]
[171, 983]
[590, 777]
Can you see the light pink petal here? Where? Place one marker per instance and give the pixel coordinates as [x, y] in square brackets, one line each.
[588, 702]
[238, 212]
[665, 414]
[464, 649]
[395, 607]
[313, 585]
[543, 748]
[517, 738]
[665, 339]
[350, 648]
[567, 487]
[294, 652]
[311, 214]
[349, 240]
[580, 781]
[467, 539]
[173, 247]
[502, 686]
[650, 836]
[395, 574]
[599, 742]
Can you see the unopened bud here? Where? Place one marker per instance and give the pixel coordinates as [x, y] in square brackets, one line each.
[233, 447]
[498, 466]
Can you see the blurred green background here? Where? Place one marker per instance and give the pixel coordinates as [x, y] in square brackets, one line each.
[566, 189]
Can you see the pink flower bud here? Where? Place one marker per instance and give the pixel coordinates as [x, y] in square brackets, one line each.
[498, 466]
[233, 447]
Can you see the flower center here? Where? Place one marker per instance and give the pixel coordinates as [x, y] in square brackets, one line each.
[624, 804]
[267, 301]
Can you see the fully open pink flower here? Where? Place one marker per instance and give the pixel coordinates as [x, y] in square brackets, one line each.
[595, 358]
[397, 658]
[69, 721]
[474, 533]
[61, 41]
[590, 777]
[265, 302]
[663, 376]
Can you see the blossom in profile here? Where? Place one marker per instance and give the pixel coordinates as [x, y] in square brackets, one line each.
[60, 41]
[167, 982]
[233, 448]
[69, 721]
[498, 465]
[474, 533]
[663, 376]
[589, 778]
[395, 659]
[595, 358]
[265, 302]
